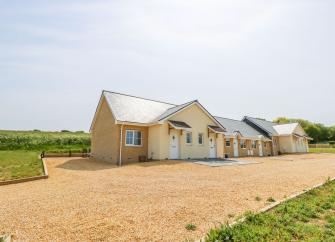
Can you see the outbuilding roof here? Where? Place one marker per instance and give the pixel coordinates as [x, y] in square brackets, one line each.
[232, 126]
[285, 129]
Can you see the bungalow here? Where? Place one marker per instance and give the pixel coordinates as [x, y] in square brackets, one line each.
[286, 138]
[128, 129]
[240, 139]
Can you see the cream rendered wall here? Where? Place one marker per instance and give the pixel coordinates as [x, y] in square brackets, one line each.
[165, 141]
[303, 145]
[154, 139]
[198, 120]
[219, 146]
[286, 144]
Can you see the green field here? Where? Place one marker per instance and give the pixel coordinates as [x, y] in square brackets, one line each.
[19, 150]
[321, 150]
[37, 140]
[309, 217]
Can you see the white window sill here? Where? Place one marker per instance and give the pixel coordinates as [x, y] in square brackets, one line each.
[134, 145]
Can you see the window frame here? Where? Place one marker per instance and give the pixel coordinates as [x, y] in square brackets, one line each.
[243, 141]
[253, 144]
[202, 138]
[186, 136]
[228, 140]
[133, 131]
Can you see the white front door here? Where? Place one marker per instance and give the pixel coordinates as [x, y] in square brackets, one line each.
[260, 147]
[212, 147]
[174, 146]
[235, 147]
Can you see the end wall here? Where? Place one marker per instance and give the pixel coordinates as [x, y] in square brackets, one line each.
[105, 135]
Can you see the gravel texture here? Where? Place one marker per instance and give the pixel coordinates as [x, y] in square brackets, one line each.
[86, 200]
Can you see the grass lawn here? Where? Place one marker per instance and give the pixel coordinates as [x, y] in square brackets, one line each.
[19, 164]
[309, 217]
[19, 150]
[322, 150]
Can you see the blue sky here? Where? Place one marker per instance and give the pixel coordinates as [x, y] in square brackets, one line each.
[260, 58]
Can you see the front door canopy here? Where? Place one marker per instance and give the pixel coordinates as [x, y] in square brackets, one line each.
[179, 125]
[216, 129]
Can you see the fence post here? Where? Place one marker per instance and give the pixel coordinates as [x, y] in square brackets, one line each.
[70, 153]
[42, 154]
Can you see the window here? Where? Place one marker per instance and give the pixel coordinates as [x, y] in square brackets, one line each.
[243, 144]
[228, 143]
[200, 139]
[265, 144]
[253, 144]
[189, 138]
[133, 138]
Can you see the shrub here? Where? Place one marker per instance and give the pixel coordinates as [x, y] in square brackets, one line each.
[258, 198]
[190, 226]
[271, 200]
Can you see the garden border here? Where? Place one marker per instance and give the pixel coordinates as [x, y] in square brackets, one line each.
[27, 179]
[276, 204]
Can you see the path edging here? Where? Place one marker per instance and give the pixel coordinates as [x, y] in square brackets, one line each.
[276, 204]
[27, 179]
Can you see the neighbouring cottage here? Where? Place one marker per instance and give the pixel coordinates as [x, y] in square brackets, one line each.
[128, 129]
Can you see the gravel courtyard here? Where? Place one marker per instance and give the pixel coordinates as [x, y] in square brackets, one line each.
[87, 200]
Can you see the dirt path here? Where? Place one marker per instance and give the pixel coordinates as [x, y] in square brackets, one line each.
[85, 200]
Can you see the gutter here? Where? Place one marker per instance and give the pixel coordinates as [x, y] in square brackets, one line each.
[121, 141]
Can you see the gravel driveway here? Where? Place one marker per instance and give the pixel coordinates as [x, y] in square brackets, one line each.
[86, 200]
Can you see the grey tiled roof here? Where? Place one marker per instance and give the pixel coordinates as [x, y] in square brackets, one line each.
[264, 124]
[233, 126]
[135, 109]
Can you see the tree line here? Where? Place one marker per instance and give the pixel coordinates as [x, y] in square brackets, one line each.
[319, 132]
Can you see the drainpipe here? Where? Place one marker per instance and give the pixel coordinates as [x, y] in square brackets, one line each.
[121, 138]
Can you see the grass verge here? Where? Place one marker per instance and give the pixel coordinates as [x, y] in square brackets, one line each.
[309, 217]
[321, 150]
[19, 164]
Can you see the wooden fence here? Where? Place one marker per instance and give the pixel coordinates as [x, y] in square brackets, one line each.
[321, 145]
[69, 153]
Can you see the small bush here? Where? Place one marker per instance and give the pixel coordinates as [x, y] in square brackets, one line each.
[271, 200]
[258, 198]
[191, 227]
